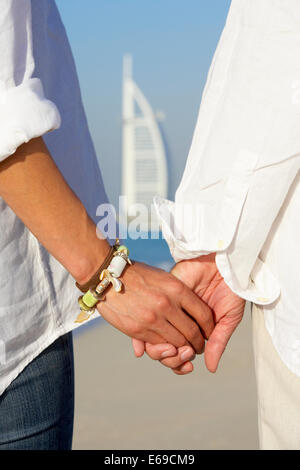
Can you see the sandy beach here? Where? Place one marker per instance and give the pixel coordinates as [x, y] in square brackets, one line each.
[128, 403]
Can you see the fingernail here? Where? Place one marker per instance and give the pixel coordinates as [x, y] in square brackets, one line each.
[167, 353]
[186, 368]
[186, 355]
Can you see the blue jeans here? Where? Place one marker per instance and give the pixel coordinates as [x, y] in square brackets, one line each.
[37, 409]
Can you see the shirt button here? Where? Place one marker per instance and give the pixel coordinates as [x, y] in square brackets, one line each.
[220, 244]
[262, 299]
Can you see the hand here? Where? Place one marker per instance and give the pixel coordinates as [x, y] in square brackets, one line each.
[177, 359]
[153, 307]
[202, 276]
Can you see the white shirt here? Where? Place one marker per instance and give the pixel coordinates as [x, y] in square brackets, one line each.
[38, 298]
[240, 192]
[241, 177]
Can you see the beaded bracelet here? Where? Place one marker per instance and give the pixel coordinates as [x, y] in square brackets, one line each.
[108, 276]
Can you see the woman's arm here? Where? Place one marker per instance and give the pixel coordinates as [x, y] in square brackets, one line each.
[153, 304]
[151, 307]
[34, 188]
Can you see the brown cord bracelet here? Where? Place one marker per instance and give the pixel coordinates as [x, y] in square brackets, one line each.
[94, 280]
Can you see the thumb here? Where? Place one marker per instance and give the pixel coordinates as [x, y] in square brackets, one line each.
[217, 343]
[138, 347]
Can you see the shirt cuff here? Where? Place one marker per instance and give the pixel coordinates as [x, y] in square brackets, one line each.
[25, 113]
[210, 226]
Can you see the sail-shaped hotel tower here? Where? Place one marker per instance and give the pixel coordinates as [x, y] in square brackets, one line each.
[144, 172]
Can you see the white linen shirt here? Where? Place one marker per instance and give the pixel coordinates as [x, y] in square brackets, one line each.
[38, 298]
[241, 177]
[240, 192]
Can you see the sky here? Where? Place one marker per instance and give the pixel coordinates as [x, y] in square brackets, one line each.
[172, 43]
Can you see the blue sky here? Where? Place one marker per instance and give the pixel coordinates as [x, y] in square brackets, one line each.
[172, 43]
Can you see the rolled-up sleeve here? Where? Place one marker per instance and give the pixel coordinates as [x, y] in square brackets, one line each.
[25, 112]
[245, 152]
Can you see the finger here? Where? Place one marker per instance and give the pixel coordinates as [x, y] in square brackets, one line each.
[199, 311]
[216, 344]
[169, 332]
[160, 332]
[185, 369]
[138, 347]
[188, 327]
[184, 355]
[126, 325]
[160, 351]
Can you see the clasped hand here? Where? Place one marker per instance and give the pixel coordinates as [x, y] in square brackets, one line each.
[201, 275]
[173, 316]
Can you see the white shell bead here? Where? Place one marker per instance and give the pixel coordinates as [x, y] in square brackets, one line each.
[117, 266]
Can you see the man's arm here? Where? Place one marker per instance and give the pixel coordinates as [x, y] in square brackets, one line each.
[244, 155]
[245, 152]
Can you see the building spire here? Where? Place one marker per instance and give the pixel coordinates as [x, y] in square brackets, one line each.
[127, 67]
[144, 172]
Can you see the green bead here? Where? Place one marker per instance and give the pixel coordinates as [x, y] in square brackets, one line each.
[124, 249]
[89, 299]
[83, 306]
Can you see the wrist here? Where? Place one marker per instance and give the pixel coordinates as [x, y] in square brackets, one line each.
[107, 274]
[90, 261]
